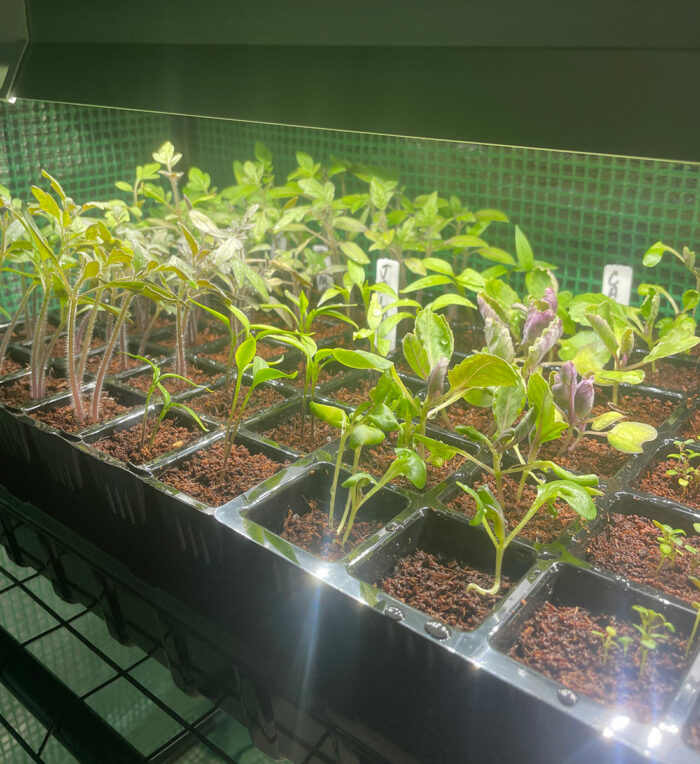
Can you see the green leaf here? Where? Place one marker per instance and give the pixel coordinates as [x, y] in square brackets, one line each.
[364, 435]
[654, 254]
[526, 260]
[436, 279]
[496, 255]
[383, 417]
[445, 300]
[472, 433]
[332, 415]
[361, 359]
[676, 341]
[629, 437]
[439, 451]
[245, 353]
[463, 241]
[605, 420]
[410, 465]
[508, 403]
[631, 377]
[349, 224]
[438, 265]
[576, 496]
[356, 273]
[603, 329]
[498, 340]
[122, 186]
[482, 370]
[359, 479]
[353, 251]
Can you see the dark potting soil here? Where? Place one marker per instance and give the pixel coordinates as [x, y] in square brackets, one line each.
[325, 331]
[288, 433]
[204, 335]
[439, 589]
[194, 374]
[312, 531]
[63, 417]
[692, 426]
[200, 475]
[10, 367]
[118, 362]
[543, 528]
[353, 393]
[667, 376]
[657, 482]
[591, 455]
[218, 402]
[637, 408]
[461, 413]
[126, 444]
[20, 391]
[557, 641]
[628, 545]
[377, 459]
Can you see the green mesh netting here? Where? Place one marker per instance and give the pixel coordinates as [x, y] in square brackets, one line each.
[579, 211]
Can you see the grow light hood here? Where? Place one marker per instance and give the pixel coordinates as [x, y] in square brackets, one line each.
[601, 76]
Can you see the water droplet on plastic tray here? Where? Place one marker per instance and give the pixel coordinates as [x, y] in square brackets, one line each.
[437, 630]
[396, 614]
[567, 697]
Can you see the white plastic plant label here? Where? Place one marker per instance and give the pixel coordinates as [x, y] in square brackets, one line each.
[617, 282]
[388, 273]
[323, 280]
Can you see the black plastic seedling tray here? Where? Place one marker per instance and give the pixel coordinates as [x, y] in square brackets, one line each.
[321, 636]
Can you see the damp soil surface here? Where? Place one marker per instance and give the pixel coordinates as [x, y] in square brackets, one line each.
[10, 367]
[312, 531]
[118, 362]
[126, 444]
[218, 402]
[461, 413]
[591, 455]
[658, 483]
[628, 545]
[172, 385]
[19, 392]
[377, 459]
[201, 475]
[692, 427]
[353, 393]
[438, 588]
[63, 417]
[288, 433]
[543, 528]
[668, 376]
[557, 641]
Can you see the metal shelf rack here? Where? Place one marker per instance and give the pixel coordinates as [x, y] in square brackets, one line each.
[70, 692]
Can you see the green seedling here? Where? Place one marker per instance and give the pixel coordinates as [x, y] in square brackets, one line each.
[671, 544]
[654, 628]
[490, 513]
[168, 404]
[609, 640]
[684, 471]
